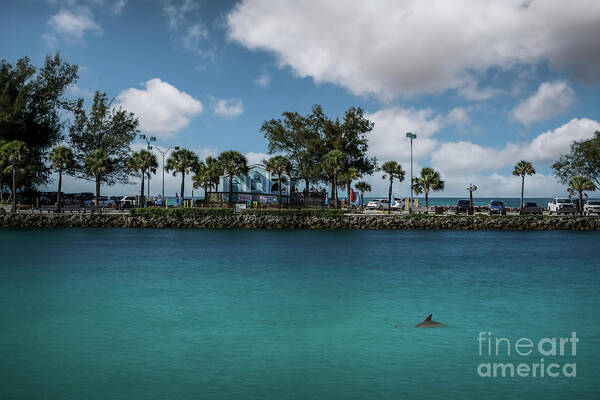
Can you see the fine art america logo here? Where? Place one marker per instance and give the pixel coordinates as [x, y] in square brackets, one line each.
[547, 353]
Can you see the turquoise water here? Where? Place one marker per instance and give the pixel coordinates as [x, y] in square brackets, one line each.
[227, 314]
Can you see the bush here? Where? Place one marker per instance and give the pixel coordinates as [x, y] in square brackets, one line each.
[300, 212]
[179, 212]
[2, 211]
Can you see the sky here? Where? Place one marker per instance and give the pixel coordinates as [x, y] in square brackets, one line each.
[482, 83]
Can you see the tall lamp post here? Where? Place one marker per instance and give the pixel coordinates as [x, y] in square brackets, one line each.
[163, 153]
[149, 147]
[411, 136]
[471, 189]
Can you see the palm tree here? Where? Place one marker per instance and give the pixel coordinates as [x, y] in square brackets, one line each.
[346, 179]
[521, 169]
[14, 154]
[215, 171]
[429, 180]
[580, 184]
[61, 158]
[201, 178]
[182, 161]
[362, 187]
[233, 164]
[333, 164]
[393, 170]
[98, 165]
[278, 165]
[143, 162]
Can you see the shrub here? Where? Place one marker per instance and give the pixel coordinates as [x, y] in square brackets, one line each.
[179, 212]
[300, 212]
[2, 211]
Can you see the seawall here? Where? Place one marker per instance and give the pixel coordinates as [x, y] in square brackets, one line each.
[478, 222]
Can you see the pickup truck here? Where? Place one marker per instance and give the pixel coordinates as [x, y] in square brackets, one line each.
[530, 207]
[592, 207]
[562, 206]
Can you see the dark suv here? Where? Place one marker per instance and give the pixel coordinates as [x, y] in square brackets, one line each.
[462, 206]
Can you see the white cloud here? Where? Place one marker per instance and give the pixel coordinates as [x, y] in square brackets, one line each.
[394, 48]
[551, 99]
[194, 34]
[228, 108]
[388, 140]
[161, 108]
[118, 6]
[458, 116]
[263, 80]
[466, 157]
[72, 24]
[76, 91]
[256, 158]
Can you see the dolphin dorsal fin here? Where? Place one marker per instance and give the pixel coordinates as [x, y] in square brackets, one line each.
[429, 317]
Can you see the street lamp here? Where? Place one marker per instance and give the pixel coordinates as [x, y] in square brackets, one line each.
[411, 136]
[471, 189]
[163, 153]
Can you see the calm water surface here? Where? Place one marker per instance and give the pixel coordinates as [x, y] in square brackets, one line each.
[227, 314]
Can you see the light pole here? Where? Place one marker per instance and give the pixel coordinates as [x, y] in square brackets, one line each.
[471, 189]
[163, 153]
[149, 147]
[411, 136]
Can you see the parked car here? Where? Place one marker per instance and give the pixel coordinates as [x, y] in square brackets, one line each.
[531, 207]
[462, 206]
[592, 207]
[102, 201]
[496, 207]
[560, 205]
[378, 204]
[129, 201]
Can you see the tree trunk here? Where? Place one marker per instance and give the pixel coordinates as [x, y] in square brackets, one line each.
[279, 190]
[58, 205]
[362, 198]
[148, 179]
[98, 179]
[522, 193]
[580, 205]
[142, 202]
[182, 186]
[348, 194]
[427, 199]
[390, 197]
[14, 188]
[333, 190]
[230, 189]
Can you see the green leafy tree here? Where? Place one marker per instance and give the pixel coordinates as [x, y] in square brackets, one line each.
[202, 178]
[278, 165]
[580, 184]
[523, 168]
[582, 160]
[333, 164]
[428, 180]
[104, 131]
[350, 136]
[345, 180]
[32, 102]
[298, 137]
[233, 164]
[61, 160]
[392, 170]
[98, 165]
[215, 171]
[16, 155]
[362, 187]
[182, 161]
[142, 163]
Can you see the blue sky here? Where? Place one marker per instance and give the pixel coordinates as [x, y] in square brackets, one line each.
[483, 84]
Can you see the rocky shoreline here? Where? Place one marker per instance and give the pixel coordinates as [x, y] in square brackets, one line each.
[478, 222]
